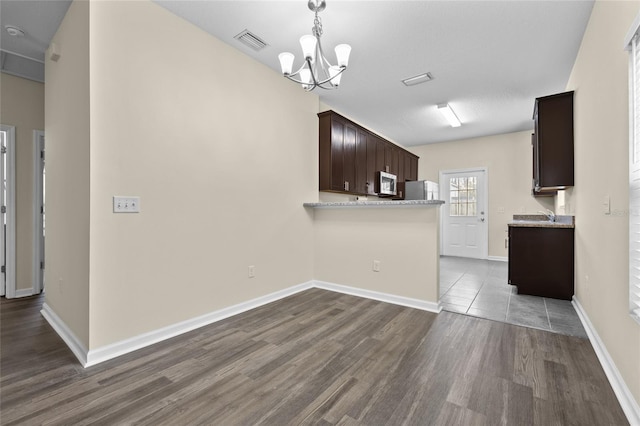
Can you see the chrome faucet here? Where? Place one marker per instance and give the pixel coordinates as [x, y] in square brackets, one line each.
[549, 214]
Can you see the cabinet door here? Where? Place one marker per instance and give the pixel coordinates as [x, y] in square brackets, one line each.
[380, 154]
[361, 179]
[541, 261]
[536, 173]
[395, 159]
[337, 154]
[401, 157]
[414, 168]
[387, 157]
[372, 150]
[554, 140]
[407, 167]
[349, 170]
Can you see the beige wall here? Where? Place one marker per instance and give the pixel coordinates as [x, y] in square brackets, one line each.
[404, 240]
[600, 79]
[221, 150]
[507, 158]
[22, 106]
[67, 186]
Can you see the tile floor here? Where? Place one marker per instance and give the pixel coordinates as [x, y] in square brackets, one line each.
[479, 288]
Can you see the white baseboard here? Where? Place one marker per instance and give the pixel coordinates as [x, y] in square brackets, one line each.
[382, 297]
[96, 356]
[625, 397]
[498, 258]
[65, 333]
[105, 353]
[23, 292]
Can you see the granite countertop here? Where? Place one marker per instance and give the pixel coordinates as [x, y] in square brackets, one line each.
[396, 203]
[541, 221]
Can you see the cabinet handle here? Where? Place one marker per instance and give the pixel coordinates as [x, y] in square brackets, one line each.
[346, 185]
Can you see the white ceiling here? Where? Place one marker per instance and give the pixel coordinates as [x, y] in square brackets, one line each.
[39, 19]
[489, 59]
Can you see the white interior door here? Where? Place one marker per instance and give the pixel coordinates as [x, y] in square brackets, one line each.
[464, 215]
[39, 211]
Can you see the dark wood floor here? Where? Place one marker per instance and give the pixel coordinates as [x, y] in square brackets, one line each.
[317, 357]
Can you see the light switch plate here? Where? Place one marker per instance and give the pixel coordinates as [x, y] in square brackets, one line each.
[126, 204]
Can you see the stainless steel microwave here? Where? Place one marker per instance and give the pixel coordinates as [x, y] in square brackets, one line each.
[386, 184]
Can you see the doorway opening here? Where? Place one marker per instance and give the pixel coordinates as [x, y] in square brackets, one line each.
[7, 211]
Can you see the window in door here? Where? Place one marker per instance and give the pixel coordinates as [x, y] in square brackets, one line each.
[463, 196]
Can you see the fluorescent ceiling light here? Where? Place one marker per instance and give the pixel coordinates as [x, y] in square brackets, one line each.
[448, 113]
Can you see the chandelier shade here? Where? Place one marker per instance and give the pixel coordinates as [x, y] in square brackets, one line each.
[316, 70]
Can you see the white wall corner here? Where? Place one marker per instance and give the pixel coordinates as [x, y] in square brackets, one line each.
[423, 305]
[625, 397]
[65, 333]
[105, 353]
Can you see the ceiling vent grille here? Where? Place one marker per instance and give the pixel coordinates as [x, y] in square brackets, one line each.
[417, 79]
[251, 40]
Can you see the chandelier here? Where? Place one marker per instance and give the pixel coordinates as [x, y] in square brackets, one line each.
[316, 70]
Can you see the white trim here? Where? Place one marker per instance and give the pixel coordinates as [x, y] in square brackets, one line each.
[65, 333]
[624, 395]
[38, 284]
[23, 292]
[10, 290]
[498, 258]
[382, 297]
[485, 170]
[632, 32]
[104, 353]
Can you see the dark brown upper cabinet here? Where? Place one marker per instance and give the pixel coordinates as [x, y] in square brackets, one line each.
[350, 156]
[553, 144]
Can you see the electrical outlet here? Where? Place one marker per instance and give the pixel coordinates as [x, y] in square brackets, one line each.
[126, 204]
[252, 271]
[376, 266]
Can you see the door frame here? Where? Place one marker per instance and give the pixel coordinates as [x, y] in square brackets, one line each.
[10, 237]
[485, 200]
[38, 204]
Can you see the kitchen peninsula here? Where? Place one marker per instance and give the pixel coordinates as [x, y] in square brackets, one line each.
[385, 250]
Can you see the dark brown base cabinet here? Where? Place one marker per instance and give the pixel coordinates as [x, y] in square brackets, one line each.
[350, 156]
[541, 261]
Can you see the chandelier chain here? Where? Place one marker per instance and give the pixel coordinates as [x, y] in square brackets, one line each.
[317, 26]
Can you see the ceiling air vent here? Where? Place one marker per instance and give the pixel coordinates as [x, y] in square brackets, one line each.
[417, 79]
[251, 40]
